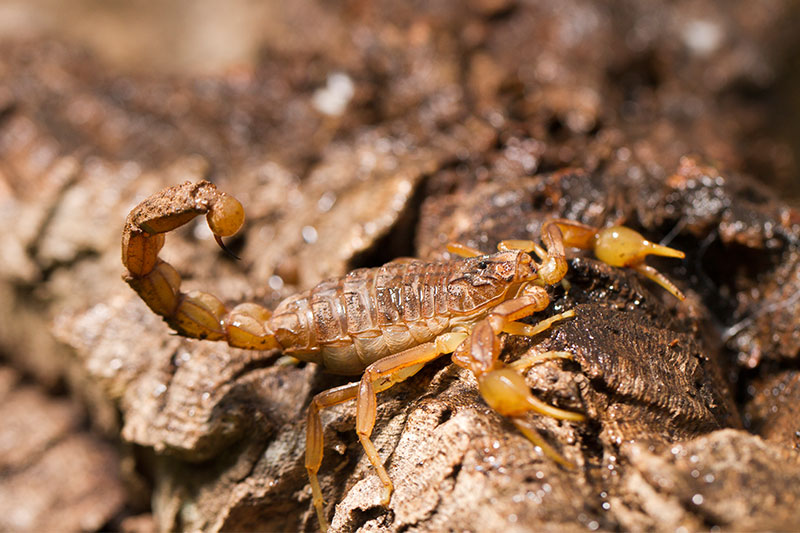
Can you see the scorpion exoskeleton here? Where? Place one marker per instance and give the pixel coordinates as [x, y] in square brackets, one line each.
[384, 323]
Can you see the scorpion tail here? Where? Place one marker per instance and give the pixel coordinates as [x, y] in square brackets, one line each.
[194, 314]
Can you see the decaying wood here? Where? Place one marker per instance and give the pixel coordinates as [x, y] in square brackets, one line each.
[473, 125]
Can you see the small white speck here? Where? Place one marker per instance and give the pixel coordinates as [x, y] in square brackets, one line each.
[370, 228]
[201, 231]
[496, 119]
[367, 161]
[326, 201]
[593, 525]
[702, 36]
[309, 234]
[159, 390]
[697, 499]
[333, 98]
[275, 282]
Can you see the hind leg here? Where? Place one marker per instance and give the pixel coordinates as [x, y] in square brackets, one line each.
[381, 375]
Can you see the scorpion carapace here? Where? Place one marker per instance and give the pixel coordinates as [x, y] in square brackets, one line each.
[383, 323]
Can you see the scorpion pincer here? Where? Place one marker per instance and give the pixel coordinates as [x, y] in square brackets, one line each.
[383, 323]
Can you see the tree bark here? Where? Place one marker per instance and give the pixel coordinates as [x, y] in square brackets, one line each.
[471, 124]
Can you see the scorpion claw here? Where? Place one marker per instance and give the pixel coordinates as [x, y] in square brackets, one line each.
[656, 276]
[665, 251]
[622, 247]
[619, 246]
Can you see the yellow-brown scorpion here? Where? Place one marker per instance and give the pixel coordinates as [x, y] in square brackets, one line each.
[383, 323]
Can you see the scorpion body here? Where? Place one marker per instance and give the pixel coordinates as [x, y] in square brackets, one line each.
[348, 323]
[383, 323]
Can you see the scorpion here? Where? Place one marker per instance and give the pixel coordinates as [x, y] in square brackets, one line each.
[384, 323]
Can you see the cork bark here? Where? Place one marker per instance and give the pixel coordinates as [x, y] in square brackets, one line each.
[469, 122]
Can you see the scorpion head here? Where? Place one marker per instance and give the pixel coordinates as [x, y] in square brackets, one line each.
[476, 281]
[526, 267]
[500, 268]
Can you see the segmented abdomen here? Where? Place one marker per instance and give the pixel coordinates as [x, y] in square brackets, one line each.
[347, 323]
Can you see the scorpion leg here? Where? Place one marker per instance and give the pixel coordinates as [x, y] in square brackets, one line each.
[381, 375]
[525, 245]
[462, 250]
[524, 363]
[195, 314]
[405, 364]
[503, 388]
[378, 377]
[619, 246]
[554, 262]
[314, 440]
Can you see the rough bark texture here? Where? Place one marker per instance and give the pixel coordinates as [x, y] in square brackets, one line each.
[472, 123]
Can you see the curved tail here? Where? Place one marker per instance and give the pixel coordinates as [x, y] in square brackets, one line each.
[194, 314]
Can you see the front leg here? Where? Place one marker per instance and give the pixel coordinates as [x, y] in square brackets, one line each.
[502, 387]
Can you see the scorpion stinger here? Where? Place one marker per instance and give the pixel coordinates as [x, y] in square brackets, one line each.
[225, 249]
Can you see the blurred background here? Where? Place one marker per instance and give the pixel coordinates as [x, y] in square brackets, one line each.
[208, 38]
[204, 37]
